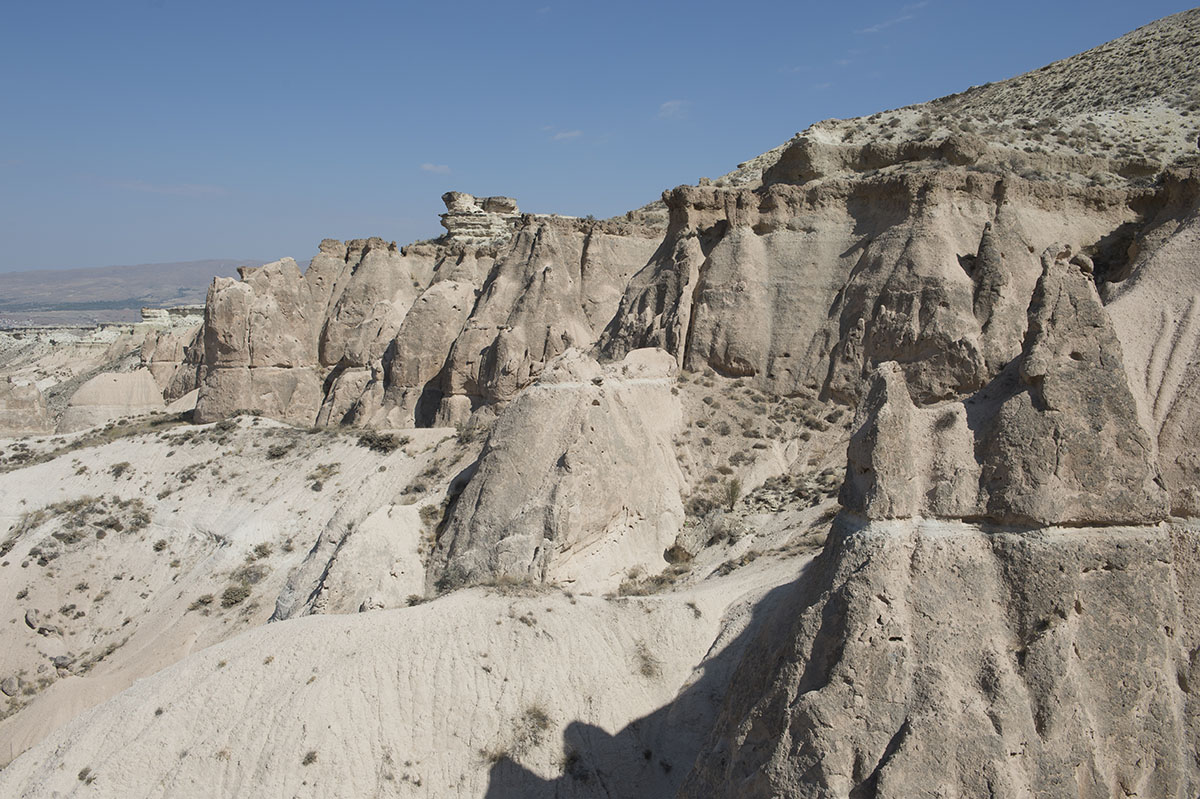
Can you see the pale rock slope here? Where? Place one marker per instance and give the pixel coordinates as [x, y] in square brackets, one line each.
[550, 498]
[972, 321]
[73, 378]
[1037, 639]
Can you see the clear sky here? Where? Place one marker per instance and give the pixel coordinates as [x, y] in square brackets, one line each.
[163, 130]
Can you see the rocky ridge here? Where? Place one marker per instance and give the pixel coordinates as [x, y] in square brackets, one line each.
[970, 315]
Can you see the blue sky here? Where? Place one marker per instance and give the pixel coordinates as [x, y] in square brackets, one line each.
[160, 130]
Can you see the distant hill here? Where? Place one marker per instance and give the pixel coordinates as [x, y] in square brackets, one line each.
[106, 293]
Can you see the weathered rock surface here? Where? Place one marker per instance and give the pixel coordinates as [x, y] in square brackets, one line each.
[478, 220]
[443, 327]
[905, 461]
[1002, 608]
[173, 357]
[1067, 445]
[110, 396]
[939, 659]
[552, 500]
[271, 337]
[1054, 439]
[1154, 301]
[23, 409]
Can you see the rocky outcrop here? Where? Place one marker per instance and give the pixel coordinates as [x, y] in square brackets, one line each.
[939, 657]
[554, 287]
[936, 659]
[271, 338]
[1054, 439]
[1067, 446]
[111, 396]
[23, 409]
[813, 284]
[1155, 307]
[905, 461]
[173, 356]
[471, 220]
[490, 303]
[551, 499]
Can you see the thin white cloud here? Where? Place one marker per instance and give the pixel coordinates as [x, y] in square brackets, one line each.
[437, 169]
[882, 26]
[674, 109]
[820, 87]
[905, 15]
[563, 135]
[174, 189]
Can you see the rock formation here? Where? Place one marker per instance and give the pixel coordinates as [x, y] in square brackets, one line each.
[1054, 439]
[111, 396]
[490, 303]
[473, 221]
[972, 321]
[945, 658]
[933, 658]
[551, 500]
[23, 409]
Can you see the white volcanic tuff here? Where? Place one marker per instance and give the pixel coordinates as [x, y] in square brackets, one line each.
[551, 499]
[1156, 312]
[938, 658]
[462, 697]
[23, 409]
[110, 396]
[1055, 439]
[919, 657]
[814, 284]
[269, 336]
[478, 221]
[504, 308]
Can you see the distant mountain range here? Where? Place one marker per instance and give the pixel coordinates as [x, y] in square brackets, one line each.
[107, 293]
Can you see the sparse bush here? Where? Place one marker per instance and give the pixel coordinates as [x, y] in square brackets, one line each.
[647, 664]
[201, 602]
[382, 442]
[160, 545]
[309, 758]
[277, 451]
[732, 492]
[234, 595]
[464, 433]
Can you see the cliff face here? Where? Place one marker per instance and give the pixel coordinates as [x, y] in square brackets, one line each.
[374, 336]
[966, 657]
[973, 322]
